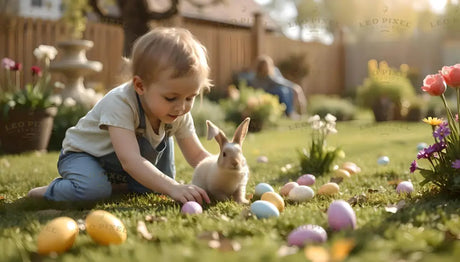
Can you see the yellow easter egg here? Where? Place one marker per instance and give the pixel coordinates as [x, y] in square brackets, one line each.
[341, 173]
[104, 228]
[351, 167]
[57, 236]
[329, 189]
[275, 199]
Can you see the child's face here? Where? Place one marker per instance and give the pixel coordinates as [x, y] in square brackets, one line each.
[167, 99]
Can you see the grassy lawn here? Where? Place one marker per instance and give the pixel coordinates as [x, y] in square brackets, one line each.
[427, 228]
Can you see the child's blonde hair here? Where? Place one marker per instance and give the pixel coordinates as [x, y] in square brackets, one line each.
[170, 49]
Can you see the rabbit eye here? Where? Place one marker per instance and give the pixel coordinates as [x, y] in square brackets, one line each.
[224, 154]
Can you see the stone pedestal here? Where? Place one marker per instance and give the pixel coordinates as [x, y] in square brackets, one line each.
[75, 66]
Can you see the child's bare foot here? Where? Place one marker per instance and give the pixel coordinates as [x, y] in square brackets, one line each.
[37, 192]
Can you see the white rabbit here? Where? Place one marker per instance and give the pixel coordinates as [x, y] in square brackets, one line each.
[224, 176]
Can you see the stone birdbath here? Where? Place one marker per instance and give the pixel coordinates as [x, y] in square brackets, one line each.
[75, 66]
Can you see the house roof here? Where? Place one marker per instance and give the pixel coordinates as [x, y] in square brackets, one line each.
[233, 12]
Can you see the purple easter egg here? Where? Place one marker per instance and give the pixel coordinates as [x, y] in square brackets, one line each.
[306, 180]
[340, 215]
[405, 187]
[191, 207]
[307, 234]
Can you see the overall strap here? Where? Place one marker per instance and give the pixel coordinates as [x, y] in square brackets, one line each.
[141, 128]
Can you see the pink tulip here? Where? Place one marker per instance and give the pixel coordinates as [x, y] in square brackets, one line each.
[434, 85]
[451, 75]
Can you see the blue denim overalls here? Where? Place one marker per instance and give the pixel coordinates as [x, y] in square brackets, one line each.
[162, 157]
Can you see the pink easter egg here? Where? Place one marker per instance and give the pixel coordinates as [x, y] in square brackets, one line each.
[191, 207]
[340, 215]
[307, 234]
[306, 180]
[284, 191]
[405, 187]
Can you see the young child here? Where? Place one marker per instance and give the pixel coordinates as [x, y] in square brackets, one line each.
[128, 133]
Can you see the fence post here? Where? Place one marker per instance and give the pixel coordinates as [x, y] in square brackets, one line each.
[258, 32]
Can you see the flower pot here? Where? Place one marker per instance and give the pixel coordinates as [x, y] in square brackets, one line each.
[24, 130]
[383, 109]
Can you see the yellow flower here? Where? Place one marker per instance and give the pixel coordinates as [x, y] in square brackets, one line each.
[434, 121]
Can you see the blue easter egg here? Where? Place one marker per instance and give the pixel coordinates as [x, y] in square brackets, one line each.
[262, 188]
[421, 146]
[264, 209]
[383, 160]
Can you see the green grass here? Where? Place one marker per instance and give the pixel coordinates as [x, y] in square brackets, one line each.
[426, 229]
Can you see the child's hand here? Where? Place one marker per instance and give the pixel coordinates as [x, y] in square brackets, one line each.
[184, 193]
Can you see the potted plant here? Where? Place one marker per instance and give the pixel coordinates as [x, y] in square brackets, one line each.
[26, 112]
[385, 91]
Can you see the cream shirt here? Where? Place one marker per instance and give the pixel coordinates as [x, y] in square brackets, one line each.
[117, 108]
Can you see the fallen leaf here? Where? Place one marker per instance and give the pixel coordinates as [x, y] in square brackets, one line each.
[210, 235]
[229, 245]
[395, 208]
[246, 213]
[81, 224]
[357, 199]
[341, 248]
[336, 180]
[449, 236]
[287, 250]
[150, 218]
[225, 218]
[142, 229]
[317, 254]
[394, 182]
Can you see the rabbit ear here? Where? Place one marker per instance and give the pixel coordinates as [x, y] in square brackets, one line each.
[214, 131]
[241, 131]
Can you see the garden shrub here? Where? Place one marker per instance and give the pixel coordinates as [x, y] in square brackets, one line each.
[201, 112]
[322, 105]
[67, 116]
[385, 90]
[294, 67]
[263, 108]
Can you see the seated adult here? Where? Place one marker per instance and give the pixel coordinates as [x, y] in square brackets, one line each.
[268, 77]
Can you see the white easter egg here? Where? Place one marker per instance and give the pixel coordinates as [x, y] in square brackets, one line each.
[307, 234]
[383, 160]
[57, 236]
[191, 207]
[262, 188]
[340, 215]
[421, 146]
[284, 191]
[104, 228]
[329, 189]
[301, 193]
[264, 209]
[306, 180]
[262, 159]
[405, 187]
[341, 173]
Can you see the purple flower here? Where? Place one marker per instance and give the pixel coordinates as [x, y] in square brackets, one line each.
[413, 166]
[423, 154]
[441, 131]
[8, 63]
[456, 164]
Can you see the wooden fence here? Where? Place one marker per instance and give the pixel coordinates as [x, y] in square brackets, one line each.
[20, 36]
[229, 49]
